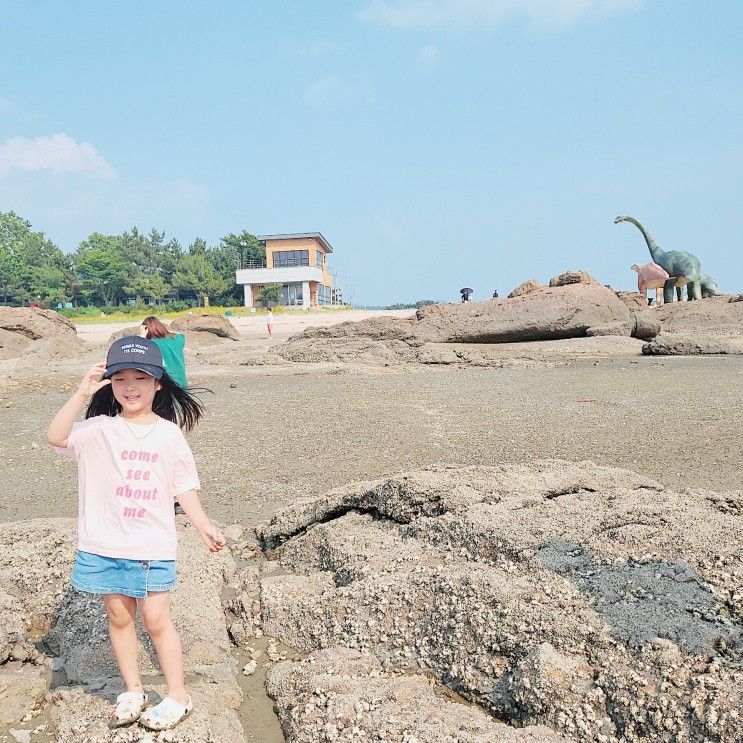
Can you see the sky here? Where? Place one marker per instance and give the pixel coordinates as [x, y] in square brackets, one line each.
[435, 144]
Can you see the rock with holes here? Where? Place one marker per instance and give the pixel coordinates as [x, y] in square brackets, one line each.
[589, 599]
[342, 694]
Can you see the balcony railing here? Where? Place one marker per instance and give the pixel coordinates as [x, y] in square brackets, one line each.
[252, 263]
[277, 263]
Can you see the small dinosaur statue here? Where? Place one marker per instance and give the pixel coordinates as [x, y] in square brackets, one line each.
[651, 276]
[709, 289]
[683, 267]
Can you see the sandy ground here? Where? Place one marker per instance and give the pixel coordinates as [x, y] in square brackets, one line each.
[271, 436]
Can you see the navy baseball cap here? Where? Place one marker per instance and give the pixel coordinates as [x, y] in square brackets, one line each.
[133, 352]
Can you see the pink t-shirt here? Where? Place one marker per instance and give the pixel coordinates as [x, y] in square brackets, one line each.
[127, 484]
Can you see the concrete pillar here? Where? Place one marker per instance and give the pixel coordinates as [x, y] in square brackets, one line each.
[248, 292]
[306, 294]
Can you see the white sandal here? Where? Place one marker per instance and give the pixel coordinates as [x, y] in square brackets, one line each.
[129, 706]
[165, 715]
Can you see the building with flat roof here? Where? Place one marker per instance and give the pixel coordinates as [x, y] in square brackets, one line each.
[299, 262]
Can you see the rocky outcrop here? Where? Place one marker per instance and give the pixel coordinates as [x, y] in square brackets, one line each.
[195, 339]
[575, 305]
[588, 599]
[34, 323]
[573, 277]
[716, 316]
[528, 286]
[708, 326]
[216, 324]
[678, 344]
[44, 333]
[340, 694]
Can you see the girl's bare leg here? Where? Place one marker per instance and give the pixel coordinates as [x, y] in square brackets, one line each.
[121, 612]
[155, 612]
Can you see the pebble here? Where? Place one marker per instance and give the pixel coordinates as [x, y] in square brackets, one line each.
[249, 668]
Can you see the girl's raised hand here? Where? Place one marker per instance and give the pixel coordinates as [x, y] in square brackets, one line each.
[92, 381]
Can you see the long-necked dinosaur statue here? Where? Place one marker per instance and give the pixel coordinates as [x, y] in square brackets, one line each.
[683, 267]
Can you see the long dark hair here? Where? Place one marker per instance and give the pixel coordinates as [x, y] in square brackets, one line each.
[171, 402]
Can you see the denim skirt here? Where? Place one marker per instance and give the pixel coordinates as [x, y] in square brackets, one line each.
[135, 578]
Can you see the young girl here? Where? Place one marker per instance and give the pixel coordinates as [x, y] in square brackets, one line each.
[133, 461]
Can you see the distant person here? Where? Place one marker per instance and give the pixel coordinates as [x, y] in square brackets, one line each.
[269, 322]
[171, 346]
[466, 294]
[495, 294]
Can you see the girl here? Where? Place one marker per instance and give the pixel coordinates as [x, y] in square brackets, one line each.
[171, 346]
[269, 323]
[133, 461]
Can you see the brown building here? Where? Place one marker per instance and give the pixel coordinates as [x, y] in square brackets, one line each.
[299, 262]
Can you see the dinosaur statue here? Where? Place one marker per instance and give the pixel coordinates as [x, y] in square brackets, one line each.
[651, 276]
[683, 267]
[709, 288]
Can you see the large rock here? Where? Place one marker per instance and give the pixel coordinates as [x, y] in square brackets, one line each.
[339, 694]
[195, 339]
[31, 331]
[525, 288]
[573, 277]
[22, 692]
[549, 313]
[216, 324]
[714, 316]
[588, 599]
[34, 323]
[678, 344]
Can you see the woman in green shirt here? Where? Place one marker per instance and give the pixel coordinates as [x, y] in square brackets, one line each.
[171, 346]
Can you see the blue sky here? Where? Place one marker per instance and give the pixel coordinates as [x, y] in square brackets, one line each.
[435, 143]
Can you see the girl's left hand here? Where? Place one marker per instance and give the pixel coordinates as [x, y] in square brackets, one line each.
[212, 538]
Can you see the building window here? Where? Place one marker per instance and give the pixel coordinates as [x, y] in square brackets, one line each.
[318, 255]
[324, 295]
[291, 295]
[286, 258]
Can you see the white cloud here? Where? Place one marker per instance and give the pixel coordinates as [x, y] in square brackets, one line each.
[59, 153]
[468, 13]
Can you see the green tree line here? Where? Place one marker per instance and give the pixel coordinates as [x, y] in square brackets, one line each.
[115, 269]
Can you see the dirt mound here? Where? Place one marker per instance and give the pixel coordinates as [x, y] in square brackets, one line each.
[588, 599]
[215, 324]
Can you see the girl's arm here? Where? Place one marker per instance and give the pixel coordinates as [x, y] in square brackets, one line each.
[210, 535]
[61, 425]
